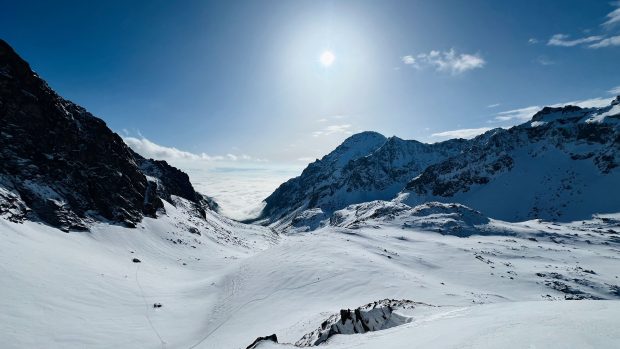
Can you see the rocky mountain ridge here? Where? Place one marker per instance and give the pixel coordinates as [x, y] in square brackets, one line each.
[365, 167]
[563, 164]
[61, 165]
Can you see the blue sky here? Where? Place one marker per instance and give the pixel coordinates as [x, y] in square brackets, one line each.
[242, 81]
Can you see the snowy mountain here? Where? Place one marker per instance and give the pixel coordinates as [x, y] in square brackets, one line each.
[561, 165]
[63, 166]
[160, 268]
[365, 167]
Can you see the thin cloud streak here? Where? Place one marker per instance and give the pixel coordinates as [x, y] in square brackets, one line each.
[611, 41]
[333, 129]
[563, 40]
[593, 41]
[465, 133]
[615, 90]
[149, 149]
[614, 17]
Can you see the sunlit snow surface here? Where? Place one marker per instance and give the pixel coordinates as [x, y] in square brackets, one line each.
[233, 283]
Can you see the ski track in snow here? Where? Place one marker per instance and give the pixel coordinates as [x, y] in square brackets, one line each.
[146, 305]
[232, 294]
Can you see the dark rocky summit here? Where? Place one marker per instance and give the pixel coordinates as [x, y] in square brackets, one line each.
[63, 166]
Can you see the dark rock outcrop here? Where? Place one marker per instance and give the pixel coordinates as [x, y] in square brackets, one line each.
[272, 338]
[63, 166]
[375, 316]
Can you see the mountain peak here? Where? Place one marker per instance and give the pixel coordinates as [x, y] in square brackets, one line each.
[61, 165]
[553, 113]
[364, 136]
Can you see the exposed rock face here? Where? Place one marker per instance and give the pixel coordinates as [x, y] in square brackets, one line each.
[170, 181]
[367, 166]
[62, 165]
[257, 341]
[376, 316]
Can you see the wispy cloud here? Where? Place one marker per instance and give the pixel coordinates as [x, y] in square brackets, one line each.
[149, 149]
[521, 114]
[610, 41]
[445, 61]
[333, 129]
[544, 60]
[409, 59]
[306, 159]
[613, 17]
[462, 133]
[563, 40]
[593, 41]
[615, 91]
[495, 105]
[533, 41]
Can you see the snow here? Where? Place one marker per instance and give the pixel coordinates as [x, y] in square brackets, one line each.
[584, 324]
[234, 283]
[603, 115]
[487, 274]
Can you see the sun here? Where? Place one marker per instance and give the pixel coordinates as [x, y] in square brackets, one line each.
[327, 58]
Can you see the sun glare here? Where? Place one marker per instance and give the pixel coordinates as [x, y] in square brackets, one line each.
[327, 58]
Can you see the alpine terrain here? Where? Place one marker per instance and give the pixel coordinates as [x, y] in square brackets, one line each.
[507, 240]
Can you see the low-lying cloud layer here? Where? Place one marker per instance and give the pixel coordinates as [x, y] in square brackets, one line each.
[239, 190]
[466, 133]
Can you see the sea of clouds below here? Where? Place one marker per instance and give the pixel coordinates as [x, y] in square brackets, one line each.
[239, 190]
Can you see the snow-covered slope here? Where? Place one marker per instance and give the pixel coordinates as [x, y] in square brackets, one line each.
[561, 325]
[84, 290]
[365, 167]
[234, 282]
[561, 165]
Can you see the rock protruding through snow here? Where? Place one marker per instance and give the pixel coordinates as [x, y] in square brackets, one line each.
[375, 316]
[445, 218]
[257, 341]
